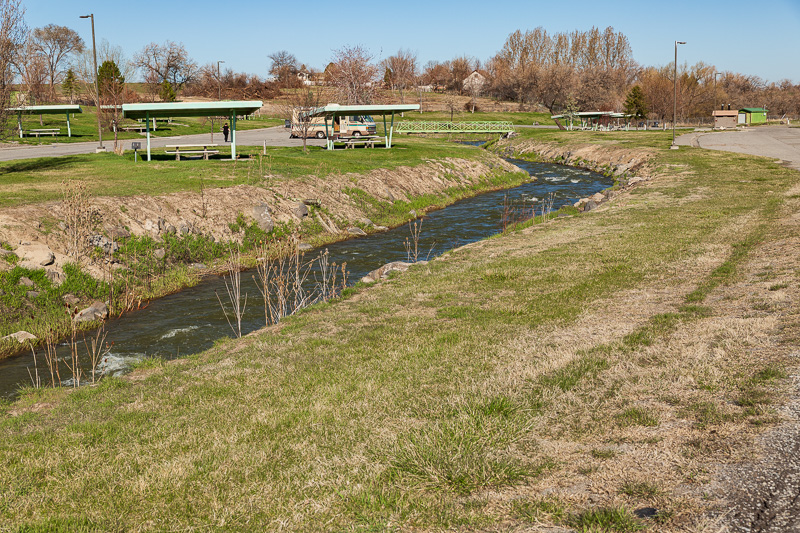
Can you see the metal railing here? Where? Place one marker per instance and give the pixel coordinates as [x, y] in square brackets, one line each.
[412, 126]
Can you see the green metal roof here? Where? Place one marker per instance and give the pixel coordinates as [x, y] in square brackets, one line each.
[46, 109]
[191, 109]
[371, 109]
[753, 110]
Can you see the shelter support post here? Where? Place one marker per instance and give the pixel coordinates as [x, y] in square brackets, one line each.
[327, 135]
[19, 124]
[69, 130]
[391, 130]
[385, 135]
[233, 135]
[148, 136]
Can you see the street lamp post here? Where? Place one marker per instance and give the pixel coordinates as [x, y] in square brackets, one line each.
[96, 83]
[675, 96]
[219, 82]
[715, 98]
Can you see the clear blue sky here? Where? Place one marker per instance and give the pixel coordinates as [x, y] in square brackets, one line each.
[760, 38]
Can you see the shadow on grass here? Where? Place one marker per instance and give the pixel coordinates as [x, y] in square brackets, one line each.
[40, 163]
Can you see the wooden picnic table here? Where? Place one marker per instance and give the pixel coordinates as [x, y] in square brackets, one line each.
[368, 141]
[179, 149]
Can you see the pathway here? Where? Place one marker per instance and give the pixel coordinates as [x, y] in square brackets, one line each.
[779, 142]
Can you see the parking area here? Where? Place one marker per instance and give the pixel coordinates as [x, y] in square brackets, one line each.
[779, 142]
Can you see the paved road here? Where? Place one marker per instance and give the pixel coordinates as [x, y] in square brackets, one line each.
[275, 136]
[779, 142]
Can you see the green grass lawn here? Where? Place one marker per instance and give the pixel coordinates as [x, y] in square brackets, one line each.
[451, 397]
[84, 127]
[107, 174]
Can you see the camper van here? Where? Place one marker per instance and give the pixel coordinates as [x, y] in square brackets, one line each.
[344, 126]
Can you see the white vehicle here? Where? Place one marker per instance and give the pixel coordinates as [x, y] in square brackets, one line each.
[343, 126]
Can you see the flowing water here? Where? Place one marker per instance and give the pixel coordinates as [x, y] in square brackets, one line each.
[191, 320]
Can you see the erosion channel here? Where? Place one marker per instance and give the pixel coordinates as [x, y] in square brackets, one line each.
[191, 320]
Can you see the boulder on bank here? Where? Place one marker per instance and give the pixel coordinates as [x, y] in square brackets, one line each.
[26, 281]
[97, 311]
[384, 271]
[300, 211]
[263, 218]
[356, 231]
[20, 337]
[35, 256]
[588, 206]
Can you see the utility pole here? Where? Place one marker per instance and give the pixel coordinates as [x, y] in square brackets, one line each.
[675, 96]
[219, 82]
[96, 85]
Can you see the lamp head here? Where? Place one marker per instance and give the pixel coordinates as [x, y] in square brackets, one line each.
[680, 42]
[85, 16]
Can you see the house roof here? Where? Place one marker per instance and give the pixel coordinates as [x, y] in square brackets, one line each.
[372, 109]
[753, 110]
[725, 113]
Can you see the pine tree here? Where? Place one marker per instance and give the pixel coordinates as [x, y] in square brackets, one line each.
[635, 104]
[69, 84]
[167, 93]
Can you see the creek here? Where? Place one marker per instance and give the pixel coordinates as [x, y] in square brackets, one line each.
[191, 320]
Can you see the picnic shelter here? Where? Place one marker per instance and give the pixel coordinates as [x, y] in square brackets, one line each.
[44, 110]
[230, 109]
[331, 111]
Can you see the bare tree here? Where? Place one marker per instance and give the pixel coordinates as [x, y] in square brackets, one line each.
[56, 43]
[284, 67]
[353, 75]
[296, 105]
[402, 71]
[31, 68]
[168, 62]
[12, 36]
[451, 103]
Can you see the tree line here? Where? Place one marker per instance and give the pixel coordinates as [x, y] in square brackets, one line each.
[586, 70]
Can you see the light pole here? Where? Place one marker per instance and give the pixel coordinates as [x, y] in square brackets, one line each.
[96, 83]
[219, 82]
[675, 96]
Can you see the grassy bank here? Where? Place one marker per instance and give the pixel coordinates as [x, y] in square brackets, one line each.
[107, 174]
[567, 373]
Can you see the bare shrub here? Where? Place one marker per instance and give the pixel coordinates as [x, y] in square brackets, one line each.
[79, 218]
[234, 290]
[412, 243]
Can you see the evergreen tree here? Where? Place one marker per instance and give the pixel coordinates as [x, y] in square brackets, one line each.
[68, 86]
[110, 80]
[635, 104]
[167, 93]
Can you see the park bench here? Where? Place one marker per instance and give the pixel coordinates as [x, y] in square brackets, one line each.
[138, 127]
[181, 149]
[45, 131]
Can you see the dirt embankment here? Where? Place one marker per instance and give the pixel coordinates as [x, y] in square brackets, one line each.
[597, 157]
[277, 200]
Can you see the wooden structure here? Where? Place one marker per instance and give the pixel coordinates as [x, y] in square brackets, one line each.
[595, 120]
[752, 115]
[228, 109]
[178, 151]
[725, 118]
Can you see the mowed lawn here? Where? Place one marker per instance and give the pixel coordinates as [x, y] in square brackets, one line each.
[107, 174]
[563, 374]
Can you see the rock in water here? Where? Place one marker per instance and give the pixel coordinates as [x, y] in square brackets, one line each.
[353, 230]
[383, 272]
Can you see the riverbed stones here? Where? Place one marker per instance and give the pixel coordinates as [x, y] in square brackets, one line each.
[636, 179]
[20, 337]
[263, 217]
[118, 232]
[104, 243]
[97, 311]
[356, 231]
[160, 253]
[598, 197]
[588, 206]
[381, 228]
[57, 277]
[304, 247]
[26, 281]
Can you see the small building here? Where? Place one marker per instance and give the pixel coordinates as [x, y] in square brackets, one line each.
[752, 115]
[725, 118]
[474, 83]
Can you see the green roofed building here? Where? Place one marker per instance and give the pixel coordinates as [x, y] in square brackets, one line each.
[753, 115]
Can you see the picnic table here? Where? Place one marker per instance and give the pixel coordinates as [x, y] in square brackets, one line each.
[44, 131]
[191, 149]
[368, 141]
